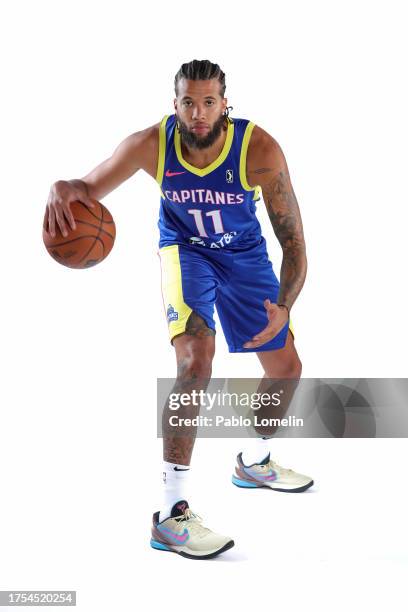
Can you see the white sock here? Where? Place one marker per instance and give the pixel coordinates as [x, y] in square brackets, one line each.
[256, 451]
[175, 480]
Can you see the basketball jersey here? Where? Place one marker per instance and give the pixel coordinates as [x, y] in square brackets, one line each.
[212, 207]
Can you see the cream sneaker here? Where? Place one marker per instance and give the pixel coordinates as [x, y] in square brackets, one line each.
[183, 533]
[269, 474]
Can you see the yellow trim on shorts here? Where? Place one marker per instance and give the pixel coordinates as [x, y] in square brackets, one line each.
[217, 162]
[162, 150]
[172, 289]
[243, 159]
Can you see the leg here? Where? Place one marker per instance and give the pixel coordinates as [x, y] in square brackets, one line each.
[282, 363]
[282, 369]
[282, 372]
[189, 286]
[178, 529]
[195, 349]
[189, 291]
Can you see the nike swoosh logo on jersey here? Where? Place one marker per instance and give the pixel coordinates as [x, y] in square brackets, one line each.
[181, 538]
[169, 173]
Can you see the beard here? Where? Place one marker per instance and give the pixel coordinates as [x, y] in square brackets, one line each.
[192, 140]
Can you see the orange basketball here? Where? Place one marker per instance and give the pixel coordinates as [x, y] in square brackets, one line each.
[89, 243]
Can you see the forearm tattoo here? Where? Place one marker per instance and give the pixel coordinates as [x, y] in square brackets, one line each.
[283, 211]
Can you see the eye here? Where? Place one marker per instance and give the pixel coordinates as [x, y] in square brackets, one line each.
[210, 102]
[186, 102]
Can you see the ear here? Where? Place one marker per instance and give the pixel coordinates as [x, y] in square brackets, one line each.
[175, 103]
[224, 103]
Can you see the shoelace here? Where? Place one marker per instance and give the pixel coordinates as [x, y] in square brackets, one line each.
[194, 522]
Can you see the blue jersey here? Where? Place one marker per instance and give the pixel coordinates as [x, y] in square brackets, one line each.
[212, 207]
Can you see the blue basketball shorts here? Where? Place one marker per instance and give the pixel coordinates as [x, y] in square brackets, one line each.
[235, 282]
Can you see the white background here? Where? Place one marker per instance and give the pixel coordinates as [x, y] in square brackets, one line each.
[80, 464]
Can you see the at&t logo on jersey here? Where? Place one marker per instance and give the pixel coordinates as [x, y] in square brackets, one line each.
[172, 315]
[222, 242]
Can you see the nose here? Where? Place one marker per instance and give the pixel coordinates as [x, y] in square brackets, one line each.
[198, 112]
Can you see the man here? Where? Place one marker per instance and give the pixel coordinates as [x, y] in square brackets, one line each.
[210, 169]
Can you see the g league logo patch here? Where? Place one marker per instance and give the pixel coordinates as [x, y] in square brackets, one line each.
[172, 315]
[229, 175]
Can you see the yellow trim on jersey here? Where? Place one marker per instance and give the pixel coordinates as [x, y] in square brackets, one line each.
[172, 289]
[291, 328]
[242, 161]
[162, 150]
[217, 162]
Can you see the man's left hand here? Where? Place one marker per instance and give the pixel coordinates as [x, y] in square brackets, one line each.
[277, 317]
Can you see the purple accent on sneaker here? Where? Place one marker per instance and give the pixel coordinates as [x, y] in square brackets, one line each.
[180, 538]
[266, 476]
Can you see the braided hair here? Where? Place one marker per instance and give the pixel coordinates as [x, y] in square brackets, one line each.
[200, 70]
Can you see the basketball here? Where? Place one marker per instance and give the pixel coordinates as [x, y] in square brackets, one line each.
[89, 243]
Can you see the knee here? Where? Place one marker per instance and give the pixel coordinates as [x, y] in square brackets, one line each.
[296, 368]
[196, 363]
[289, 368]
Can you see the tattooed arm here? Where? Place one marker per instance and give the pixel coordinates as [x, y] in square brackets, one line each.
[266, 166]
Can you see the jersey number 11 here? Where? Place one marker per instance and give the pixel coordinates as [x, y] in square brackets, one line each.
[198, 218]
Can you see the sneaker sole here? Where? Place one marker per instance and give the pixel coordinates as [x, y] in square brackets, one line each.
[245, 484]
[159, 546]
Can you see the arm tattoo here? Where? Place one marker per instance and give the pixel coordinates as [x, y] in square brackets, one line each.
[283, 211]
[260, 171]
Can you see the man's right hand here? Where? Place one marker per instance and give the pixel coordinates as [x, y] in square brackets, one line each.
[58, 211]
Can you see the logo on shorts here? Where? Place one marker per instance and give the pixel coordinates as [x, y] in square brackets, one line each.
[229, 175]
[172, 315]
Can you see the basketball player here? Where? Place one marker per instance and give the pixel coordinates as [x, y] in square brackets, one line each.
[210, 169]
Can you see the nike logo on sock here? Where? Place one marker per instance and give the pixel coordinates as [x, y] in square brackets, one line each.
[177, 469]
